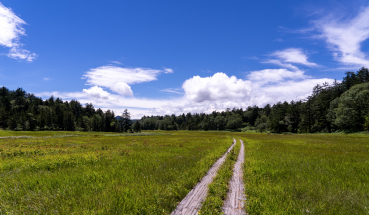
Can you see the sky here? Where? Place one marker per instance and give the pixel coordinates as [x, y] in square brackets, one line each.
[174, 57]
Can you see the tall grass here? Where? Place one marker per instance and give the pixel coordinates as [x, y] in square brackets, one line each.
[306, 174]
[99, 174]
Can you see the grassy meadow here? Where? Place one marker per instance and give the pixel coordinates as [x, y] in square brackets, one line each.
[306, 174]
[151, 172]
[103, 173]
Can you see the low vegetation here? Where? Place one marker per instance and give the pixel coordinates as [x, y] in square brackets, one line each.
[103, 173]
[306, 174]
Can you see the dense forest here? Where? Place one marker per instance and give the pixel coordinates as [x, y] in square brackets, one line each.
[342, 106]
[23, 111]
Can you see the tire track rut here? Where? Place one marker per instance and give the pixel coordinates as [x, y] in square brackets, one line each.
[191, 204]
[234, 202]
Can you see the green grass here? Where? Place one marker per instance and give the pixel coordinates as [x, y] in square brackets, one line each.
[49, 172]
[218, 189]
[97, 173]
[306, 174]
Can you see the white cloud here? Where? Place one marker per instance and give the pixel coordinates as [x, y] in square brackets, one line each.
[118, 79]
[285, 91]
[122, 88]
[46, 79]
[206, 94]
[10, 31]
[96, 92]
[278, 85]
[275, 75]
[172, 90]
[105, 100]
[215, 88]
[168, 70]
[345, 36]
[293, 55]
[116, 62]
[279, 63]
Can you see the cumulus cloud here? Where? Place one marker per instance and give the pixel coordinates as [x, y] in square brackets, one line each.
[345, 36]
[122, 88]
[10, 31]
[206, 94]
[215, 88]
[96, 92]
[118, 79]
[198, 94]
[268, 86]
[293, 55]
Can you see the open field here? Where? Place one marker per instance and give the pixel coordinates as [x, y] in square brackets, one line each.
[100, 173]
[306, 174]
[151, 172]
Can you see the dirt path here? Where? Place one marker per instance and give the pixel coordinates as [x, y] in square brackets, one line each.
[192, 202]
[235, 198]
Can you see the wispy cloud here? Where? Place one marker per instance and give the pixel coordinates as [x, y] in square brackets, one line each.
[172, 90]
[116, 62]
[275, 76]
[279, 63]
[118, 79]
[345, 36]
[10, 31]
[293, 55]
[168, 70]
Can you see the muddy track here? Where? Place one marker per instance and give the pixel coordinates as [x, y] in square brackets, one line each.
[191, 204]
[235, 198]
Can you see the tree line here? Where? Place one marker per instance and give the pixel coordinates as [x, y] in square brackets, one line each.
[22, 111]
[341, 106]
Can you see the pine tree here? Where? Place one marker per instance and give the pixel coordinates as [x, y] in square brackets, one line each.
[125, 120]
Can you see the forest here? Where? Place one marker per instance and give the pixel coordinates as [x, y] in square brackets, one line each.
[339, 107]
[22, 111]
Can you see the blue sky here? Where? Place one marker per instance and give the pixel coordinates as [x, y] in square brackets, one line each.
[164, 57]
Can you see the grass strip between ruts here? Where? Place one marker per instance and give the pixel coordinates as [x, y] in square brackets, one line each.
[218, 189]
